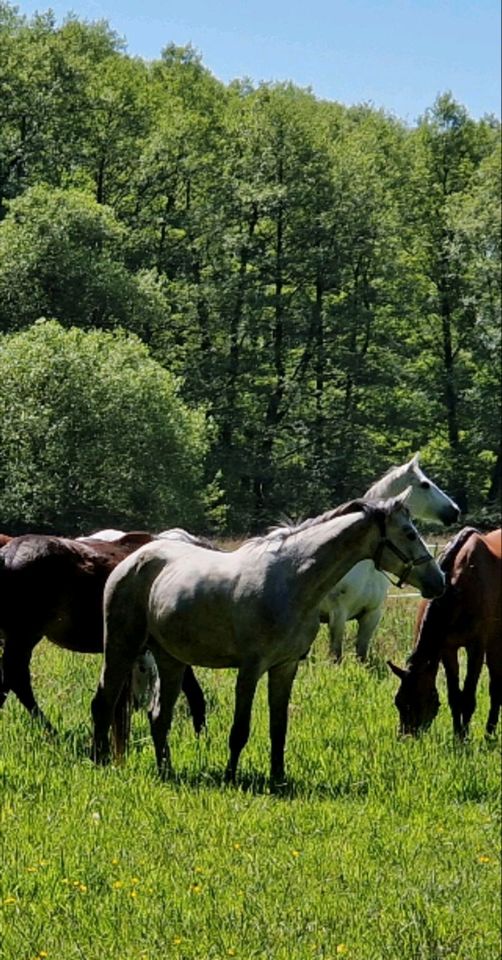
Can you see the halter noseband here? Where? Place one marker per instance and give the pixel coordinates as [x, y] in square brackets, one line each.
[408, 564]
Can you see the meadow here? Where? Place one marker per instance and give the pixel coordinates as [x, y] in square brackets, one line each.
[379, 849]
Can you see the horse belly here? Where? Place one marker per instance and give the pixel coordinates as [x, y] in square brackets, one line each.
[362, 588]
[198, 635]
[76, 633]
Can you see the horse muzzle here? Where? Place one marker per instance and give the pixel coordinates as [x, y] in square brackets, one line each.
[433, 585]
[449, 515]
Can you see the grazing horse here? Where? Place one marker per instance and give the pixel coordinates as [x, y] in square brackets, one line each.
[53, 587]
[255, 609]
[360, 595]
[469, 614]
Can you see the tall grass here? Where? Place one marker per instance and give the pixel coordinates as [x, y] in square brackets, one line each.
[379, 849]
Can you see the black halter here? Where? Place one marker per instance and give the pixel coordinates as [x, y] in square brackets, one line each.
[408, 564]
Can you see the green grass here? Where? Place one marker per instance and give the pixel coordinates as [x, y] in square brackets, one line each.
[379, 849]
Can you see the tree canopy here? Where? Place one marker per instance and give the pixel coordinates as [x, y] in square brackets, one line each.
[322, 281]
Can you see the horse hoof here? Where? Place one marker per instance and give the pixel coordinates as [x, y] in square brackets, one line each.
[278, 784]
[100, 756]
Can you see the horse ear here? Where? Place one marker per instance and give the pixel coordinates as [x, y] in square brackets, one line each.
[402, 499]
[415, 460]
[397, 670]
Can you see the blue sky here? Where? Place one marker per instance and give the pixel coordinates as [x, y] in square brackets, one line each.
[396, 54]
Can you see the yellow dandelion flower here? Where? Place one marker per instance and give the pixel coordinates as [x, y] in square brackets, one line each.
[199, 870]
[342, 948]
[43, 863]
[115, 861]
[196, 888]
[231, 952]
[483, 859]
[65, 880]
[133, 893]
[9, 900]
[177, 940]
[237, 846]
[43, 953]
[83, 887]
[295, 853]
[134, 879]
[31, 869]
[117, 884]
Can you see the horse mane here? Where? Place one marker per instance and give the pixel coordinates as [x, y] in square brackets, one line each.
[436, 610]
[451, 549]
[379, 509]
[393, 472]
[179, 534]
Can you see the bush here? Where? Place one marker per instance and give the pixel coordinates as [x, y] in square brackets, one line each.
[93, 433]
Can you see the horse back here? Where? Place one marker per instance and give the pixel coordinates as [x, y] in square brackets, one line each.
[470, 611]
[477, 581]
[493, 541]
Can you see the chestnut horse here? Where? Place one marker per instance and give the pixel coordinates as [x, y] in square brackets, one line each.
[469, 615]
[53, 587]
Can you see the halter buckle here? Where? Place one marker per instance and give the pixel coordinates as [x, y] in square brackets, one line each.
[408, 564]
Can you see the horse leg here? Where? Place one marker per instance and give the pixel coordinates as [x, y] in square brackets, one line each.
[196, 700]
[16, 676]
[280, 682]
[450, 663]
[475, 658]
[336, 627]
[171, 674]
[495, 690]
[245, 687]
[4, 685]
[367, 625]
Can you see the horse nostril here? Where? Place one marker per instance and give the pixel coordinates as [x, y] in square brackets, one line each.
[450, 515]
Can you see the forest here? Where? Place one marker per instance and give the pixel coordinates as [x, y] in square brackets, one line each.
[223, 304]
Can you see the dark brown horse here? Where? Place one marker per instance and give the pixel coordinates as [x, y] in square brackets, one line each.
[53, 587]
[469, 615]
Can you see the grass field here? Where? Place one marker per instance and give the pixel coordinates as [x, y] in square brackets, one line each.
[379, 849]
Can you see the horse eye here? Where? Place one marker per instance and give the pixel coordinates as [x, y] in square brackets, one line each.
[425, 485]
[411, 536]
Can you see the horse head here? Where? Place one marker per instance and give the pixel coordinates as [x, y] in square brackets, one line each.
[427, 501]
[417, 699]
[405, 552]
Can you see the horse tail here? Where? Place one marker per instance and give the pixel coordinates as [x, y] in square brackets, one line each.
[433, 615]
[121, 720]
[126, 628]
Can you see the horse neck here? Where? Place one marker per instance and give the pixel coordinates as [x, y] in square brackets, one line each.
[430, 632]
[390, 485]
[324, 553]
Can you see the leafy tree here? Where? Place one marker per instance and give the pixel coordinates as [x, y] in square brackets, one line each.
[93, 433]
[61, 255]
[324, 281]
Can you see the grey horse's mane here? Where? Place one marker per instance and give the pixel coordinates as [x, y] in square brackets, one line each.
[379, 509]
[394, 472]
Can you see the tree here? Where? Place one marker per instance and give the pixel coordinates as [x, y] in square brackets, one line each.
[61, 255]
[94, 434]
[445, 154]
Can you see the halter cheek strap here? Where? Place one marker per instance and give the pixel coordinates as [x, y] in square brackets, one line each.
[385, 543]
